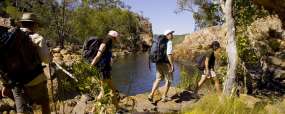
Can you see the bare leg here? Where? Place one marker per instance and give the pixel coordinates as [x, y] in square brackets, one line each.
[167, 86]
[110, 84]
[101, 94]
[157, 80]
[154, 87]
[113, 90]
[201, 82]
[217, 85]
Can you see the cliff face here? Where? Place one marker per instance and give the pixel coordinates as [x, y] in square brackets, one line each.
[268, 38]
[277, 6]
[145, 31]
[197, 41]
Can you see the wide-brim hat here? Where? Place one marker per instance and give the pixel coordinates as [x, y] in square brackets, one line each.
[28, 17]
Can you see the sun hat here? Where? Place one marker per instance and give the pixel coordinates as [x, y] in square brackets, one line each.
[30, 17]
[113, 33]
[166, 32]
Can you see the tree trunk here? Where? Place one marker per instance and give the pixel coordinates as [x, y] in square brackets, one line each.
[62, 33]
[231, 49]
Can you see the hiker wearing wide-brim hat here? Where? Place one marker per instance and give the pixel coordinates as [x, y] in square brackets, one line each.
[28, 17]
[36, 89]
[30, 20]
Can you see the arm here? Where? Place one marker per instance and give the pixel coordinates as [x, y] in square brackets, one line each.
[170, 59]
[207, 65]
[169, 55]
[99, 54]
[42, 48]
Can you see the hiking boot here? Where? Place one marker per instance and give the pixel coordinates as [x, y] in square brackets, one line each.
[165, 99]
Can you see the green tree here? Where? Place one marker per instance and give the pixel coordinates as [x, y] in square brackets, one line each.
[73, 21]
[205, 12]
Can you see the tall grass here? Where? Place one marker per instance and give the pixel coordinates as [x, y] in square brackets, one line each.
[216, 104]
[189, 77]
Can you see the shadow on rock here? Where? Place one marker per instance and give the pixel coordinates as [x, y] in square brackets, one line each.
[184, 96]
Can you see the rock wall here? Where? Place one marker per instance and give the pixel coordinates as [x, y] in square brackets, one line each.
[145, 31]
[268, 39]
[274, 6]
[196, 41]
[67, 56]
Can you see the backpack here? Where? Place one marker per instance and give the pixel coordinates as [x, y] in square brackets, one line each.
[200, 61]
[90, 48]
[19, 60]
[158, 50]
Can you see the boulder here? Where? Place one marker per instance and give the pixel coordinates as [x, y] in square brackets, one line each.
[56, 50]
[67, 57]
[57, 55]
[6, 104]
[64, 52]
[277, 61]
[266, 35]
[81, 105]
[279, 74]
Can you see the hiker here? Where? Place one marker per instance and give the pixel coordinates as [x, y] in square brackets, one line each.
[102, 61]
[164, 64]
[28, 82]
[207, 66]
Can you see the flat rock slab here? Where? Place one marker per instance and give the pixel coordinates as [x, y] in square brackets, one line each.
[180, 99]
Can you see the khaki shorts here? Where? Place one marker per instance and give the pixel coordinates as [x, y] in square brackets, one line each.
[212, 74]
[162, 72]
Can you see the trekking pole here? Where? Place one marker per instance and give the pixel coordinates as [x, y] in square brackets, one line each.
[65, 71]
[51, 87]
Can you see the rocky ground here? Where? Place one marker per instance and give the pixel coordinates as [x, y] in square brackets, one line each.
[137, 104]
[180, 100]
[66, 57]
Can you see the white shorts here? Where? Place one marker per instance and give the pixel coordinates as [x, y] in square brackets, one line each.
[211, 74]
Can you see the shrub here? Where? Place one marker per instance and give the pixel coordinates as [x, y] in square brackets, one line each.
[88, 78]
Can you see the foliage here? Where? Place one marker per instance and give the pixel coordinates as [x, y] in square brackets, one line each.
[245, 13]
[178, 39]
[73, 21]
[216, 104]
[205, 12]
[188, 81]
[88, 78]
[90, 22]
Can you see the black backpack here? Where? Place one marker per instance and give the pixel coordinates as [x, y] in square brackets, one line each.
[19, 60]
[200, 61]
[158, 50]
[90, 48]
